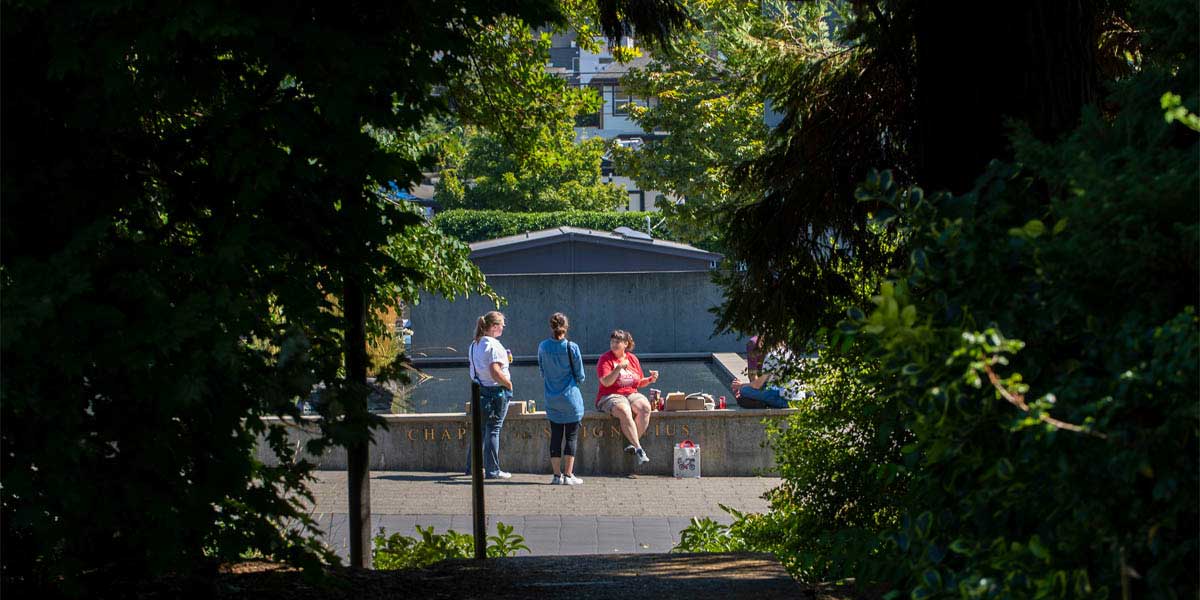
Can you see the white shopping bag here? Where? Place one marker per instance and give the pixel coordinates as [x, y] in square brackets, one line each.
[687, 459]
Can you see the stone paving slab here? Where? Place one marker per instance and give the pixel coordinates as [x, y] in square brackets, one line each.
[605, 515]
[406, 493]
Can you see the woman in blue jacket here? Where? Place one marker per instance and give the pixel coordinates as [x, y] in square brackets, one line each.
[562, 371]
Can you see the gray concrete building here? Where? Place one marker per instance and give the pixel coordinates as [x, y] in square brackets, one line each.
[660, 291]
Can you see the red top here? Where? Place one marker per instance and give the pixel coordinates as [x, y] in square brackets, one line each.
[627, 382]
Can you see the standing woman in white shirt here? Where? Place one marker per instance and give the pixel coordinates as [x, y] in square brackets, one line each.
[489, 367]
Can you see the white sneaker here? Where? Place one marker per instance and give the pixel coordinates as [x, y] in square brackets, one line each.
[630, 449]
[641, 456]
[500, 475]
[572, 479]
[557, 480]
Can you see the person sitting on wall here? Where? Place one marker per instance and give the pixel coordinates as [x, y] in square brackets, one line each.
[620, 375]
[758, 394]
[754, 357]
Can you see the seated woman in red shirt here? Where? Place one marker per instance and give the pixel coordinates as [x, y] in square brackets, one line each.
[620, 376]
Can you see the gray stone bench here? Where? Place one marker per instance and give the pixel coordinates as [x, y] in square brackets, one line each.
[731, 442]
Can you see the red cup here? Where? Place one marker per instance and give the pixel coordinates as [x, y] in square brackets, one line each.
[721, 402]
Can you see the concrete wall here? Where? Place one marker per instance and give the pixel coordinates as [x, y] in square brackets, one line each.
[731, 444]
[666, 312]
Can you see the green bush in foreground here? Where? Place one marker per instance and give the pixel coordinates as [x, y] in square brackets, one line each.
[402, 552]
[1014, 413]
[155, 324]
[944, 456]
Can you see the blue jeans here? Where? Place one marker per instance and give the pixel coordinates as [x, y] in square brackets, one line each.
[770, 395]
[494, 403]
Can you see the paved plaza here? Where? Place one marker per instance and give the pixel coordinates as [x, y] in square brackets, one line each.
[606, 514]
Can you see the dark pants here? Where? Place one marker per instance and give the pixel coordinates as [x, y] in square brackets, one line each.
[556, 438]
[494, 403]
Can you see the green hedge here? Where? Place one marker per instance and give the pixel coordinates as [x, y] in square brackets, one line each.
[477, 225]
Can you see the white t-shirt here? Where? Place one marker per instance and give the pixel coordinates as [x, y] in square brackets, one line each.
[486, 351]
[775, 364]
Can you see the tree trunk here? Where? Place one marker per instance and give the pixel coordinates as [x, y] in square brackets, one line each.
[982, 63]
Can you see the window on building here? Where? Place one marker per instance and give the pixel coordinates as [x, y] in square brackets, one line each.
[619, 99]
[591, 119]
[637, 200]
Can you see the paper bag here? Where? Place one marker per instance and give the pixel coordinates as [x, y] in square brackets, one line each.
[696, 401]
[687, 459]
[675, 401]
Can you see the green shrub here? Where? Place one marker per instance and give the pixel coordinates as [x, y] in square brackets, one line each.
[942, 456]
[707, 535]
[1014, 413]
[1062, 464]
[505, 542]
[402, 552]
[477, 225]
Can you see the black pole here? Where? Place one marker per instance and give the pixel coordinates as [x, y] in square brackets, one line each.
[357, 453]
[477, 474]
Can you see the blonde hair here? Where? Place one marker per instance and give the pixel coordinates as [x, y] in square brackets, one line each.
[486, 321]
[559, 325]
[625, 336]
